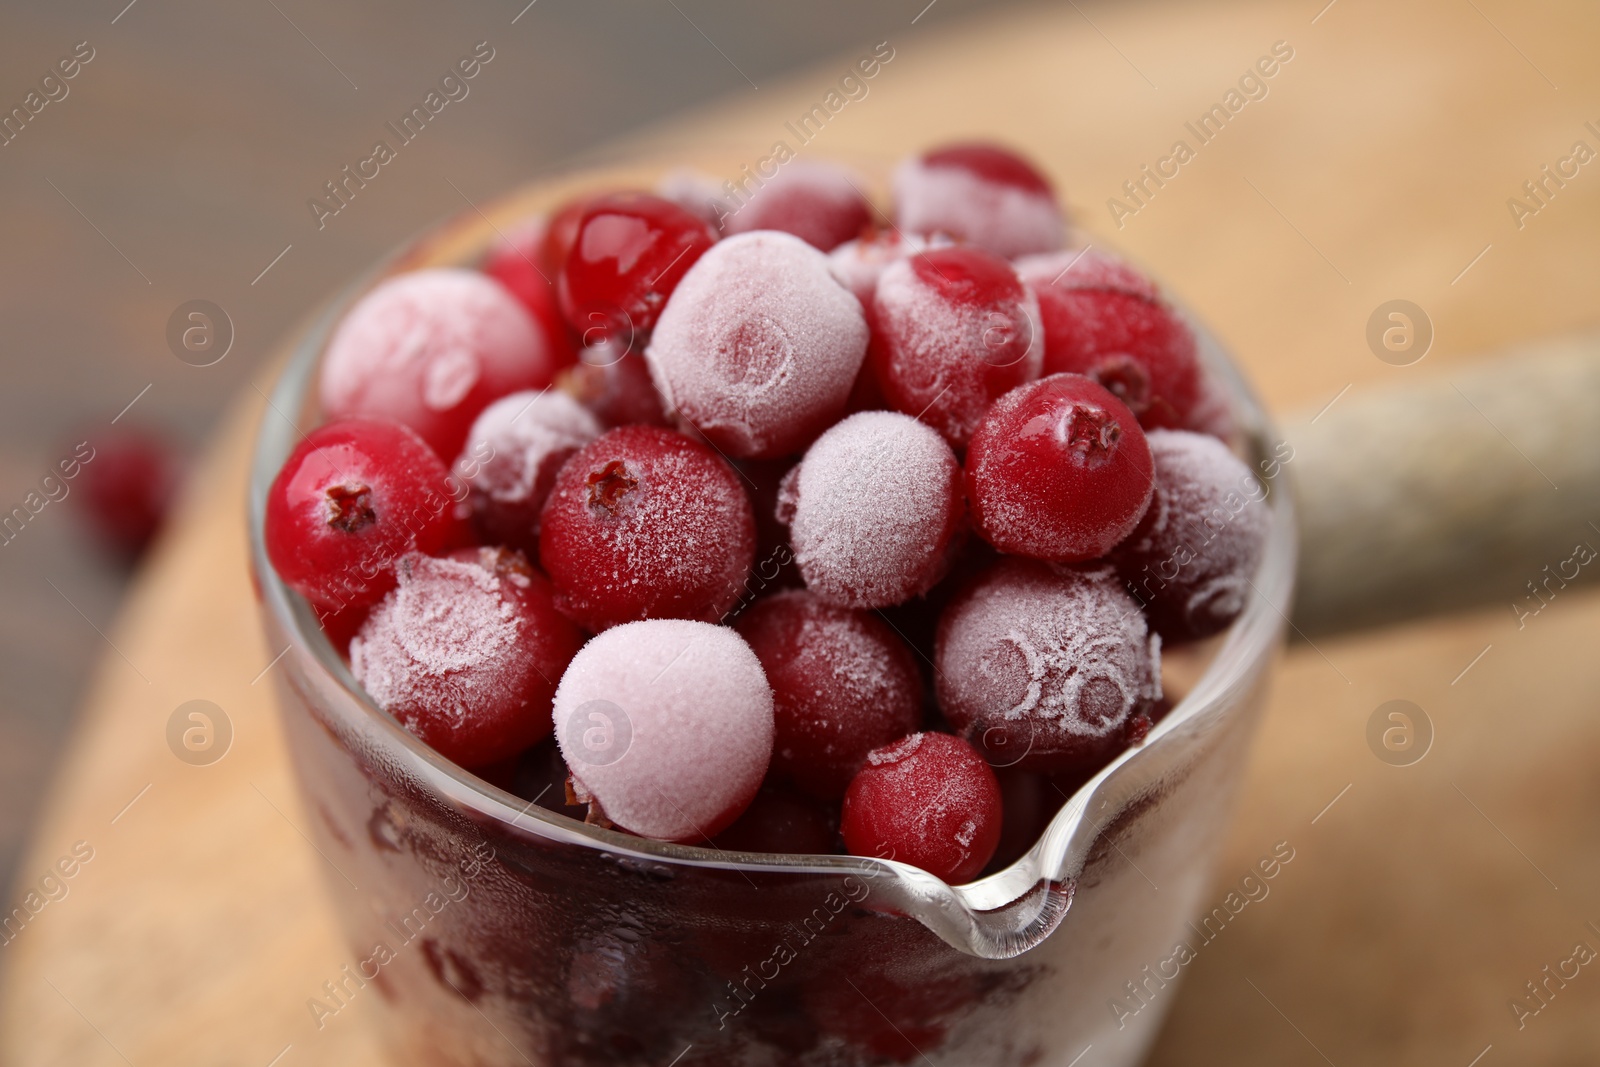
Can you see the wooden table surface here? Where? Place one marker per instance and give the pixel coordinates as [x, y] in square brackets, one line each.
[1422, 899]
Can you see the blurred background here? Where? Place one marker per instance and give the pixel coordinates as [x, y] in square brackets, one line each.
[1384, 164]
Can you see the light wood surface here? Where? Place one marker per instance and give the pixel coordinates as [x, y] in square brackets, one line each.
[1419, 902]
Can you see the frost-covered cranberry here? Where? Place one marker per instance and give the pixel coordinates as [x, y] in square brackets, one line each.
[928, 800]
[666, 726]
[354, 497]
[1058, 470]
[644, 523]
[842, 685]
[1190, 561]
[1105, 320]
[617, 389]
[980, 193]
[431, 349]
[858, 264]
[1046, 668]
[695, 191]
[954, 329]
[514, 263]
[873, 510]
[465, 652]
[758, 347]
[820, 203]
[511, 458]
[628, 254]
[783, 820]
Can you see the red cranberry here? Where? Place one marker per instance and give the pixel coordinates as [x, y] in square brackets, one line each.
[874, 510]
[758, 347]
[1190, 560]
[514, 263]
[842, 685]
[979, 193]
[562, 232]
[1058, 470]
[511, 458]
[128, 483]
[1105, 320]
[783, 821]
[954, 329]
[341, 624]
[646, 524]
[617, 389]
[696, 192]
[348, 503]
[431, 349]
[629, 253]
[820, 203]
[465, 652]
[928, 800]
[1046, 668]
[860, 263]
[666, 726]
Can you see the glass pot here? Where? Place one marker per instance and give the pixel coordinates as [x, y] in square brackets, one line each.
[501, 933]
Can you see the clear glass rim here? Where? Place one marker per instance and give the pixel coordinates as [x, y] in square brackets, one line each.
[1245, 650]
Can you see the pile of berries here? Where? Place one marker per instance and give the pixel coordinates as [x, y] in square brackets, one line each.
[788, 531]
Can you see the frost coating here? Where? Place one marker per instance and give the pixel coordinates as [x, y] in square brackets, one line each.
[699, 716]
[1007, 220]
[1054, 660]
[874, 509]
[758, 346]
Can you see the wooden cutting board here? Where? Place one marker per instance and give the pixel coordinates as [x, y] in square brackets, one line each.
[192, 927]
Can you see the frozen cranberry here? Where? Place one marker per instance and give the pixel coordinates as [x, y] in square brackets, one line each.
[514, 263]
[465, 652]
[666, 726]
[1105, 320]
[858, 264]
[954, 329]
[820, 203]
[874, 510]
[758, 347]
[1190, 561]
[928, 800]
[562, 232]
[1046, 668]
[979, 193]
[1058, 470]
[782, 820]
[696, 192]
[341, 624]
[431, 349]
[128, 482]
[511, 458]
[842, 685]
[617, 389]
[354, 497]
[646, 524]
[629, 253]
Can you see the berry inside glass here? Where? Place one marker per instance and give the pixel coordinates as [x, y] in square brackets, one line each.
[743, 603]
